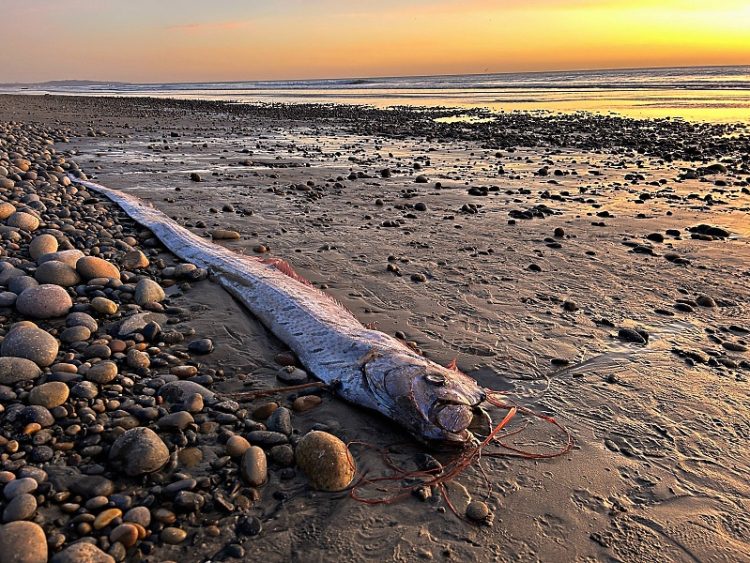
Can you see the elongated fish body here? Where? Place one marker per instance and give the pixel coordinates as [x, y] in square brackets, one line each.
[364, 366]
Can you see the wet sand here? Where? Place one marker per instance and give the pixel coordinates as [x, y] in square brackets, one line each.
[539, 241]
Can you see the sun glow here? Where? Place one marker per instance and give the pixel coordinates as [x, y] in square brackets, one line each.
[295, 39]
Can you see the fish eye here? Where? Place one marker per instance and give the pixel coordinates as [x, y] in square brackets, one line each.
[435, 378]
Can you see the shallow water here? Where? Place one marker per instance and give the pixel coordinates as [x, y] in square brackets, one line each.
[717, 94]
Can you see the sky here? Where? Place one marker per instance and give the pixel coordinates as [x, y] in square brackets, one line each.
[235, 40]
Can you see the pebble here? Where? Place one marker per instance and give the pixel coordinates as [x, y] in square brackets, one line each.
[325, 460]
[82, 319]
[138, 515]
[254, 466]
[24, 221]
[126, 534]
[135, 260]
[19, 283]
[45, 301]
[41, 245]
[75, 334]
[706, 301]
[236, 446]
[306, 403]
[224, 234]
[173, 536]
[49, 395]
[202, 346]
[22, 542]
[13, 370]
[477, 511]
[148, 291]
[139, 451]
[280, 421]
[7, 298]
[6, 209]
[82, 552]
[22, 507]
[91, 267]
[176, 421]
[32, 343]
[292, 375]
[264, 411]
[105, 518]
[57, 273]
[137, 359]
[103, 305]
[632, 335]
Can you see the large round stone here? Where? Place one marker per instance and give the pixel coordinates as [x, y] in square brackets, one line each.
[13, 370]
[57, 273]
[41, 245]
[148, 291]
[22, 220]
[32, 343]
[49, 395]
[22, 542]
[82, 552]
[45, 301]
[91, 267]
[139, 451]
[325, 460]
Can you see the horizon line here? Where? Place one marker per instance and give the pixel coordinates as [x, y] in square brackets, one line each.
[378, 77]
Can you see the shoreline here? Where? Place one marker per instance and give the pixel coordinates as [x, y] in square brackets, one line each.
[537, 251]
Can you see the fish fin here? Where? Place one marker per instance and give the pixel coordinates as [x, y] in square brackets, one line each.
[286, 268]
[371, 326]
[452, 365]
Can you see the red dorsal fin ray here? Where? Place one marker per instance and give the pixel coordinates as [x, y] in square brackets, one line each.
[286, 268]
[452, 365]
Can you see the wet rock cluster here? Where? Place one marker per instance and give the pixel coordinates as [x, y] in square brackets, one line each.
[112, 443]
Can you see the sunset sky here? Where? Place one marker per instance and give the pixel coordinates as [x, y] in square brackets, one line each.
[226, 40]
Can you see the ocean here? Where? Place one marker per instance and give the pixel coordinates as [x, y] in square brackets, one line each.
[718, 94]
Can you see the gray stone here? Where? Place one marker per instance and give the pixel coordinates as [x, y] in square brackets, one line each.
[22, 507]
[32, 343]
[179, 391]
[45, 301]
[13, 370]
[139, 451]
[148, 291]
[57, 273]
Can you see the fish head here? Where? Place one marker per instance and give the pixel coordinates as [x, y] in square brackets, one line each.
[433, 402]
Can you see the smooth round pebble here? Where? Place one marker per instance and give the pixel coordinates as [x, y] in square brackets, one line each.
[138, 451]
[41, 245]
[32, 343]
[326, 461]
[91, 267]
[45, 301]
[49, 395]
[254, 466]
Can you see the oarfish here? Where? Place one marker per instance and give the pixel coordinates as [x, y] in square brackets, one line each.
[364, 366]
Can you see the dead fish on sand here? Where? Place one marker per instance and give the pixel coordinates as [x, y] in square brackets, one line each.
[364, 366]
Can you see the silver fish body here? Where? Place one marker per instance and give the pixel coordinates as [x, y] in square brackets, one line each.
[364, 366]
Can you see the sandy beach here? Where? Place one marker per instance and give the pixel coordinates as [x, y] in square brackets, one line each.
[594, 268]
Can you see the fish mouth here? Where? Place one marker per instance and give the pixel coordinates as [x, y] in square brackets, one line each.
[458, 418]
